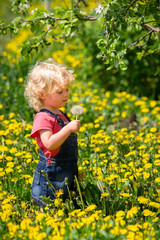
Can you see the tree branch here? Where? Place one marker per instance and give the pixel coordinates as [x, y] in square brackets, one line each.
[44, 18]
[85, 3]
[124, 14]
[142, 45]
[76, 4]
[78, 1]
[87, 18]
[135, 43]
[35, 20]
[155, 29]
[45, 34]
[106, 32]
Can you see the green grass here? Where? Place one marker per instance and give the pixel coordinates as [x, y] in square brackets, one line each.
[118, 194]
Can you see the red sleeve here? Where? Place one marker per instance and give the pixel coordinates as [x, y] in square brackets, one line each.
[42, 121]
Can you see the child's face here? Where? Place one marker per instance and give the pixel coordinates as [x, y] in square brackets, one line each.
[56, 98]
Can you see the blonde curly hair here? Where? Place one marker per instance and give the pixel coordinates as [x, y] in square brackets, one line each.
[44, 77]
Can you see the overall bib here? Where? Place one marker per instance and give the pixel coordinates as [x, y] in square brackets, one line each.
[62, 165]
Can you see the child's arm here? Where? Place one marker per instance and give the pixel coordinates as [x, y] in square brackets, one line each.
[53, 141]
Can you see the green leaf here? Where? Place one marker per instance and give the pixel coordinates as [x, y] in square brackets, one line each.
[99, 55]
[75, 20]
[67, 30]
[23, 51]
[35, 28]
[48, 231]
[16, 20]
[123, 66]
[110, 67]
[101, 43]
[115, 6]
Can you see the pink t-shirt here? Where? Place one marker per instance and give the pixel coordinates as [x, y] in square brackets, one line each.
[44, 121]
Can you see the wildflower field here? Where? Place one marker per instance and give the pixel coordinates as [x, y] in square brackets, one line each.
[118, 188]
[118, 193]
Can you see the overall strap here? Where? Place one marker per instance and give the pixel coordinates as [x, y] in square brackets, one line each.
[59, 120]
[65, 114]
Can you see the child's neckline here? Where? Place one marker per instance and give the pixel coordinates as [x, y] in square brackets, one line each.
[43, 110]
[59, 114]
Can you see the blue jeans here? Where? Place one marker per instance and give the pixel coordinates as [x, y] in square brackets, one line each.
[55, 170]
[56, 176]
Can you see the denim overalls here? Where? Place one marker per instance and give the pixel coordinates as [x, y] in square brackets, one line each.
[62, 165]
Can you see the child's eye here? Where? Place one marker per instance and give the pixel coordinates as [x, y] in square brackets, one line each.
[66, 90]
[59, 91]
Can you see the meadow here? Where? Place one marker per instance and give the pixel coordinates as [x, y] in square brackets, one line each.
[118, 194]
[118, 188]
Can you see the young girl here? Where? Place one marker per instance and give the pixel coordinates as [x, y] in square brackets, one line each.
[47, 90]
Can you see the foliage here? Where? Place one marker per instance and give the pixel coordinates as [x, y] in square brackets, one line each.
[124, 35]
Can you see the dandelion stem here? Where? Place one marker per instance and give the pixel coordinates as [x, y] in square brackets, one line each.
[66, 183]
[50, 184]
[80, 193]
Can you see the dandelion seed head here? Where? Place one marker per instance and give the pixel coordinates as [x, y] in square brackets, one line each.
[77, 110]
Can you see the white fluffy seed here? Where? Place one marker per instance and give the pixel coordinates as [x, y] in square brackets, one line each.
[77, 110]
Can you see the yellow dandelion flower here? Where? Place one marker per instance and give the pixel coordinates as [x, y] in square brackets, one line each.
[97, 149]
[142, 147]
[11, 115]
[57, 202]
[120, 214]
[104, 195]
[153, 130]
[20, 79]
[111, 147]
[59, 192]
[2, 174]
[13, 228]
[60, 213]
[9, 170]
[157, 180]
[91, 208]
[14, 179]
[133, 211]
[154, 204]
[143, 200]
[148, 165]
[125, 195]
[123, 114]
[145, 110]
[157, 162]
[140, 103]
[115, 101]
[3, 148]
[152, 103]
[10, 164]
[145, 119]
[133, 228]
[146, 175]
[75, 99]
[147, 213]
[115, 231]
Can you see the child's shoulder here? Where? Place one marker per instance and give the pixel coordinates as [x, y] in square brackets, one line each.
[44, 116]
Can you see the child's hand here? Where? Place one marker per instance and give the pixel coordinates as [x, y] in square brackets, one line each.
[74, 126]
